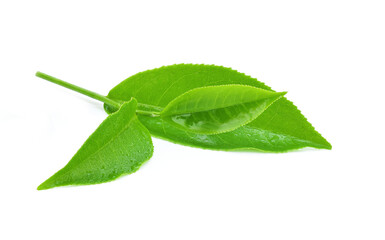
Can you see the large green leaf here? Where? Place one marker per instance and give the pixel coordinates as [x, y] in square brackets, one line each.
[280, 128]
[119, 146]
[218, 109]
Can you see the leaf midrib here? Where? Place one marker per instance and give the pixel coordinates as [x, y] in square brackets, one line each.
[181, 113]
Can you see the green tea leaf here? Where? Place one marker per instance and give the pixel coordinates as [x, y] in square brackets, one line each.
[120, 145]
[218, 109]
[281, 127]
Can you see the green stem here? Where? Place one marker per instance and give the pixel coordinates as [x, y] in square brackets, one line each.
[89, 93]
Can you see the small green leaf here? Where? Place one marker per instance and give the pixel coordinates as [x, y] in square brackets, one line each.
[119, 146]
[279, 128]
[218, 109]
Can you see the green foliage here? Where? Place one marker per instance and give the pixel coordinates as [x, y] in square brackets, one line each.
[218, 109]
[280, 128]
[119, 146]
[196, 105]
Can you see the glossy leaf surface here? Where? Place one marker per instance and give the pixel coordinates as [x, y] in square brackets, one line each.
[280, 128]
[119, 146]
[218, 109]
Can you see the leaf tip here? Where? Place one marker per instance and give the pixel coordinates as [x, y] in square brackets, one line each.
[43, 187]
[280, 94]
[47, 184]
[277, 95]
[327, 145]
[324, 144]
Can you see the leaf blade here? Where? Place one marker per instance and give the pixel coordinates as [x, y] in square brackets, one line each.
[98, 161]
[218, 109]
[168, 82]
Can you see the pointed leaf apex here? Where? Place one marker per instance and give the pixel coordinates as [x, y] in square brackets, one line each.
[44, 186]
[281, 93]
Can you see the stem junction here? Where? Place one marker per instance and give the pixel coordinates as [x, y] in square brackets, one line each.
[94, 95]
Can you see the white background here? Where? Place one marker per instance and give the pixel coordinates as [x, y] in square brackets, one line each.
[329, 56]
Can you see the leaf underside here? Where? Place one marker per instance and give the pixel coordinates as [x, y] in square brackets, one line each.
[218, 109]
[280, 128]
[119, 146]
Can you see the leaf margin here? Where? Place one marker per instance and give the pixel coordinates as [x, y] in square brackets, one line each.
[324, 145]
[50, 183]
